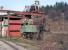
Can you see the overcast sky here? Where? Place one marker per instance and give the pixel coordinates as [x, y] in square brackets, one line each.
[19, 4]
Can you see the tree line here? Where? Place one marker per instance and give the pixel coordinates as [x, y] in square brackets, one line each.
[54, 11]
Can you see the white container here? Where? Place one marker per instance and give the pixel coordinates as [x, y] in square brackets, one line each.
[4, 27]
[4, 31]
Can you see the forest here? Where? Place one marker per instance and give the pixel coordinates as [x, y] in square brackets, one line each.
[55, 10]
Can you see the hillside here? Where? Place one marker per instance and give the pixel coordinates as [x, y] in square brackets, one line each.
[56, 35]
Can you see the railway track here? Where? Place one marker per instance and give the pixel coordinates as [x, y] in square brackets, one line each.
[6, 45]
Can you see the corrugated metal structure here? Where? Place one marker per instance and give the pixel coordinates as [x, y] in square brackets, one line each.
[14, 26]
[20, 23]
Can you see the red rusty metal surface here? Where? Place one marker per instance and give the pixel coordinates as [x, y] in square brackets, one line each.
[14, 30]
[15, 23]
[14, 27]
[14, 34]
